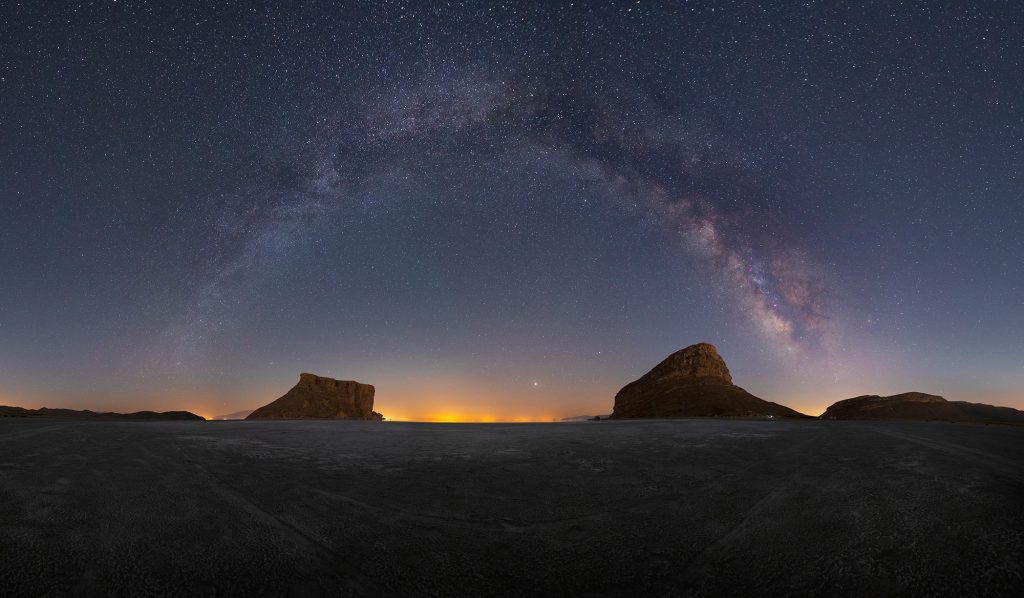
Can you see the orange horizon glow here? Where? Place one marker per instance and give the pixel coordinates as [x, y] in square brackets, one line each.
[454, 417]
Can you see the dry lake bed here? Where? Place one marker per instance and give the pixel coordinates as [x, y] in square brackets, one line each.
[622, 508]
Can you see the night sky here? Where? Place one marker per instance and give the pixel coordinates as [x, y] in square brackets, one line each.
[508, 210]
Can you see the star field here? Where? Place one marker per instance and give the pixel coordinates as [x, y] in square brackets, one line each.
[512, 209]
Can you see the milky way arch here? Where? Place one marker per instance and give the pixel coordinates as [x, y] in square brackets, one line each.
[643, 160]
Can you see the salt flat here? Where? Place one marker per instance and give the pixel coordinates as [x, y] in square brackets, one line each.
[621, 507]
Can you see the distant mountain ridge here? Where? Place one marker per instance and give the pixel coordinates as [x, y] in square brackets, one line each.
[918, 406]
[8, 411]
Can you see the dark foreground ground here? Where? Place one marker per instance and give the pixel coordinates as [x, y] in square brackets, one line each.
[665, 508]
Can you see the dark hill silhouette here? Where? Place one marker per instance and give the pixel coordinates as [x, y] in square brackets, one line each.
[6, 411]
[692, 382]
[918, 406]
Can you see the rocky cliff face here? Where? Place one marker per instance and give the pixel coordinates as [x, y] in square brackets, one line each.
[692, 382]
[919, 406]
[316, 397]
[700, 361]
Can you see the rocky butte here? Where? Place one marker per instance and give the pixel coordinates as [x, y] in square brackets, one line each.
[692, 382]
[920, 406]
[317, 397]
